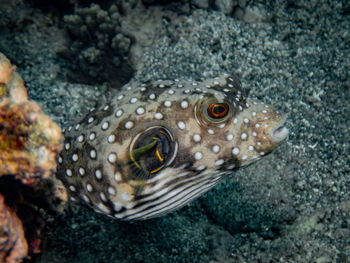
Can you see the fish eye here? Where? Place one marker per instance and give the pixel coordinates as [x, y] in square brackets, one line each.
[211, 111]
[218, 110]
[151, 151]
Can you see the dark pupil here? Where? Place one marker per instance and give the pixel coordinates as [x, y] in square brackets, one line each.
[219, 109]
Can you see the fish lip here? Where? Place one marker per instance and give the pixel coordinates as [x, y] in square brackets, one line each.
[279, 134]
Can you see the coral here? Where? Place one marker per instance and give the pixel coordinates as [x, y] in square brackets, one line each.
[13, 245]
[29, 140]
[98, 46]
[29, 144]
[107, 38]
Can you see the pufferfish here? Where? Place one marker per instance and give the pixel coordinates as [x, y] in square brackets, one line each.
[158, 146]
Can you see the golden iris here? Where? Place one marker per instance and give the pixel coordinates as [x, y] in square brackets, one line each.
[218, 110]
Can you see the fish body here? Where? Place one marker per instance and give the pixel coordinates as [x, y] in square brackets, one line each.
[157, 146]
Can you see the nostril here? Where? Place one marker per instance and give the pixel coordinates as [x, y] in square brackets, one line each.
[279, 134]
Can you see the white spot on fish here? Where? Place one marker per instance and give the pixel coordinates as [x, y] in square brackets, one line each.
[235, 151]
[184, 104]
[98, 174]
[244, 136]
[197, 137]
[111, 190]
[119, 113]
[75, 157]
[103, 208]
[111, 138]
[200, 168]
[167, 103]
[118, 176]
[181, 125]
[105, 125]
[69, 172]
[229, 137]
[216, 148]
[81, 171]
[198, 156]
[219, 162]
[103, 197]
[92, 136]
[140, 110]
[89, 188]
[86, 199]
[93, 154]
[112, 157]
[129, 124]
[158, 116]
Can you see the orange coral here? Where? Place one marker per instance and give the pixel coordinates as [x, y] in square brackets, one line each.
[13, 245]
[5, 70]
[29, 144]
[29, 139]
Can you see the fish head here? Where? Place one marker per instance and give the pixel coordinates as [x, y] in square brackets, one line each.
[212, 127]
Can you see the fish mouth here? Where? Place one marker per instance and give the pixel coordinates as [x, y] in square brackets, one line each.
[279, 134]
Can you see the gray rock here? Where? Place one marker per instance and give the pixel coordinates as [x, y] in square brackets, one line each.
[200, 3]
[226, 6]
[251, 14]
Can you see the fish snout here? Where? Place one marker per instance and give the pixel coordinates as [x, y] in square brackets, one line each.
[279, 134]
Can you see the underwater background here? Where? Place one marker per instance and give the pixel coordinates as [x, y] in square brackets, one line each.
[293, 206]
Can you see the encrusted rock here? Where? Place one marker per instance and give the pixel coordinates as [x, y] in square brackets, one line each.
[29, 139]
[29, 144]
[13, 245]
